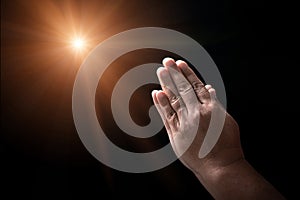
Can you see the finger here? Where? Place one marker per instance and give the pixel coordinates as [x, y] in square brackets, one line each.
[170, 62]
[183, 86]
[170, 89]
[212, 93]
[208, 87]
[168, 112]
[159, 109]
[201, 91]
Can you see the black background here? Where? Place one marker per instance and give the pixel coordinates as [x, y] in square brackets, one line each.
[253, 44]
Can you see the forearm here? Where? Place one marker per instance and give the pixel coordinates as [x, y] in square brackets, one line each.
[237, 181]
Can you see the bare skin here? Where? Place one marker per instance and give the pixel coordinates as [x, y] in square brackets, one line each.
[185, 105]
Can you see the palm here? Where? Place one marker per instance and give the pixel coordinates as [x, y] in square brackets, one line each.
[187, 108]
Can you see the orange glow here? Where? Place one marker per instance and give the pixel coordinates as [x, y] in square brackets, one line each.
[55, 32]
[78, 43]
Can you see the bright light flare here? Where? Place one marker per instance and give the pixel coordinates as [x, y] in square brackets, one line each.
[78, 44]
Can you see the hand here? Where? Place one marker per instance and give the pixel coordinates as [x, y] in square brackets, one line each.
[186, 105]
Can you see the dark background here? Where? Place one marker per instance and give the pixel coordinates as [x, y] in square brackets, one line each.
[253, 44]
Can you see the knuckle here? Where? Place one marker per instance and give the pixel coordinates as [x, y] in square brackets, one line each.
[171, 115]
[197, 85]
[176, 104]
[202, 91]
[174, 99]
[184, 87]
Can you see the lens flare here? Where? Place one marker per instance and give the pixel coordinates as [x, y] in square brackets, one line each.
[78, 44]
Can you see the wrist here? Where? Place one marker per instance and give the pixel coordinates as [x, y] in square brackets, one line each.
[216, 163]
[215, 177]
[237, 180]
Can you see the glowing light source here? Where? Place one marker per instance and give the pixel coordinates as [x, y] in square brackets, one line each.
[78, 43]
